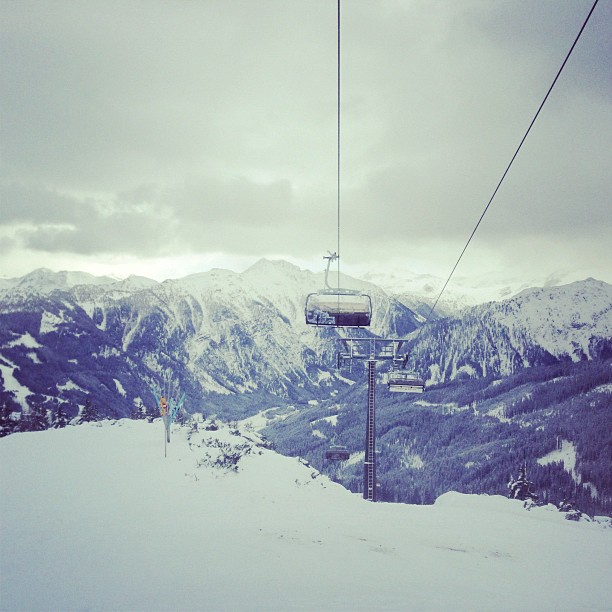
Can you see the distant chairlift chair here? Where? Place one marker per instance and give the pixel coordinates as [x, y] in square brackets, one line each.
[338, 307]
[399, 381]
[336, 452]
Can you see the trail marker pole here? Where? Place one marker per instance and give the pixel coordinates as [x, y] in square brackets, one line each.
[169, 403]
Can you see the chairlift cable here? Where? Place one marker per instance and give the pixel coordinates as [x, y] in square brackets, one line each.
[338, 146]
[484, 212]
[338, 307]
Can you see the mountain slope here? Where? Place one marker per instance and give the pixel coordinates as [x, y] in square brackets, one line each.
[96, 518]
[419, 291]
[537, 327]
[468, 436]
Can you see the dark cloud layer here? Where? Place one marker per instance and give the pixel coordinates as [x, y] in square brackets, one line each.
[154, 128]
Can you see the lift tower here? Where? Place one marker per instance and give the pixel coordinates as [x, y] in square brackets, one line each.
[369, 464]
[370, 350]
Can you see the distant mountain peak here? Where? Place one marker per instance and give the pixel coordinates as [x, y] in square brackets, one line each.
[265, 265]
[134, 282]
[266, 261]
[44, 280]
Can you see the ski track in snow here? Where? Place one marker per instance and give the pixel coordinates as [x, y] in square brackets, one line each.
[94, 517]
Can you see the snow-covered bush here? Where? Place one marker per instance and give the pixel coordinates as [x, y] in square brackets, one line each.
[227, 455]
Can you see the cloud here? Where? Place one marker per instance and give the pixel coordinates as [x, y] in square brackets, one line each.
[115, 93]
[34, 203]
[156, 128]
[45, 220]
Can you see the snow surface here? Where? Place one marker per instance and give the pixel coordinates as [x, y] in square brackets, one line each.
[120, 388]
[26, 340]
[246, 332]
[50, 322]
[561, 317]
[70, 385]
[33, 357]
[464, 292]
[44, 280]
[498, 413]
[332, 420]
[411, 460]
[95, 518]
[11, 385]
[566, 455]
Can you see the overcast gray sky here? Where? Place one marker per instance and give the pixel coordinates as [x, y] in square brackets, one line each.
[167, 137]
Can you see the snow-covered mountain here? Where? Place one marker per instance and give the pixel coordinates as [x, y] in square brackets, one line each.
[537, 327]
[44, 280]
[228, 337]
[419, 291]
[219, 333]
[94, 517]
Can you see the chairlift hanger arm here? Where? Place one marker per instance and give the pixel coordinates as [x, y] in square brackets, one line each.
[384, 348]
[330, 258]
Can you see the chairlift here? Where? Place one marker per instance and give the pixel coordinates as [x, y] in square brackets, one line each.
[343, 360]
[399, 361]
[337, 452]
[338, 307]
[405, 382]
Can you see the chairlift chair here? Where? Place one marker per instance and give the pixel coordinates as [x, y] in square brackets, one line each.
[338, 307]
[399, 361]
[337, 452]
[343, 360]
[405, 382]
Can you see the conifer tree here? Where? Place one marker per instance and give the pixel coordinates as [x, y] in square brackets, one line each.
[521, 488]
[89, 412]
[60, 417]
[7, 425]
[36, 419]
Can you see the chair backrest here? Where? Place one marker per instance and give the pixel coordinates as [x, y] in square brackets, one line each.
[338, 309]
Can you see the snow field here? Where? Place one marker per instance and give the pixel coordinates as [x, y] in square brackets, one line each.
[94, 517]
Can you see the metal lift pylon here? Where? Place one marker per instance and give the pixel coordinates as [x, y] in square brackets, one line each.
[369, 464]
[371, 350]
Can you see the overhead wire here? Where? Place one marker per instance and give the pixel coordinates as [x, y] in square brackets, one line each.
[484, 212]
[338, 144]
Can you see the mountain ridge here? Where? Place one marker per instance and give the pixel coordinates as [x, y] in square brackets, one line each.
[229, 333]
[538, 326]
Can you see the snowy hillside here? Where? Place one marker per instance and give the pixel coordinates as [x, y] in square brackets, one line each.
[468, 436]
[94, 517]
[45, 281]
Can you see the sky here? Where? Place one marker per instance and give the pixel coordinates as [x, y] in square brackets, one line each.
[164, 138]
